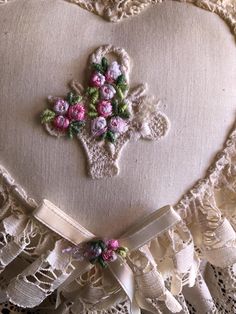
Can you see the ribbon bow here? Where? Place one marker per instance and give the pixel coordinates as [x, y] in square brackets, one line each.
[137, 236]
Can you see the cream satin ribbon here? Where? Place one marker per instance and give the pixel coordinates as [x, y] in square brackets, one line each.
[137, 236]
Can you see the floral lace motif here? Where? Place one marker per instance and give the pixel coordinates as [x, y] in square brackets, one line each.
[117, 10]
[106, 115]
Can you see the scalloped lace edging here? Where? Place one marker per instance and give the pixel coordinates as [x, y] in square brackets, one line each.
[117, 10]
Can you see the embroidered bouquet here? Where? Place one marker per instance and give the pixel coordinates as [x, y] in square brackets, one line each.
[105, 114]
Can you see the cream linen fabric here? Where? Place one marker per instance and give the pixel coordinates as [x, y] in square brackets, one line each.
[186, 55]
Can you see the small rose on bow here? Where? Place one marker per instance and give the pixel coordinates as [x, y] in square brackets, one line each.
[98, 251]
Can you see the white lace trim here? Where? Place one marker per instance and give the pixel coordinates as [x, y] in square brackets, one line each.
[170, 257]
[117, 10]
[25, 240]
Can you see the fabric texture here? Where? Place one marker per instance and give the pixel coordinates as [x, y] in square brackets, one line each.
[199, 280]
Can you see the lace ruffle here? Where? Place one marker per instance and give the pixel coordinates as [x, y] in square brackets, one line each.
[42, 267]
[162, 268]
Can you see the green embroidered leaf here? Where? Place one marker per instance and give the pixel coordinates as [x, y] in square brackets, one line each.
[102, 262]
[75, 128]
[124, 115]
[94, 97]
[123, 87]
[93, 93]
[77, 99]
[73, 99]
[92, 107]
[70, 97]
[121, 80]
[104, 64]
[110, 136]
[102, 244]
[123, 111]
[123, 107]
[98, 67]
[115, 107]
[119, 93]
[47, 116]
[90, 90]
[92, 114]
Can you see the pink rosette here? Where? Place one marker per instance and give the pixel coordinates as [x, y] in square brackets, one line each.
[61, 123]
[104, 108]
[109, 256]
[97, 79]
[76, 112]
[112, 244]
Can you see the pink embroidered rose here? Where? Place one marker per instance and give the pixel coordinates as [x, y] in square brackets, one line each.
[113, 72]
[76, 112]
[107, 91]
[61, 123]
[112, 244]
[61, 106]
[98, 126]
[104, 108]
[109, 256]
[97, 79]
[117, 125]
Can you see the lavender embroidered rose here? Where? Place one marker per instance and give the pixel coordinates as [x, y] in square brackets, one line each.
[118, 125]
[107, 91]
[113, 72]
[99, 126]
[61, 106]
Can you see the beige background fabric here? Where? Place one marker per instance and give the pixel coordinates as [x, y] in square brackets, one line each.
[187, 57]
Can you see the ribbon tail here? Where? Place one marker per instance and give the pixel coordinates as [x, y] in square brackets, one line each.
[83, 268]
[171, 303]
[135, 309]
[124, 275]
